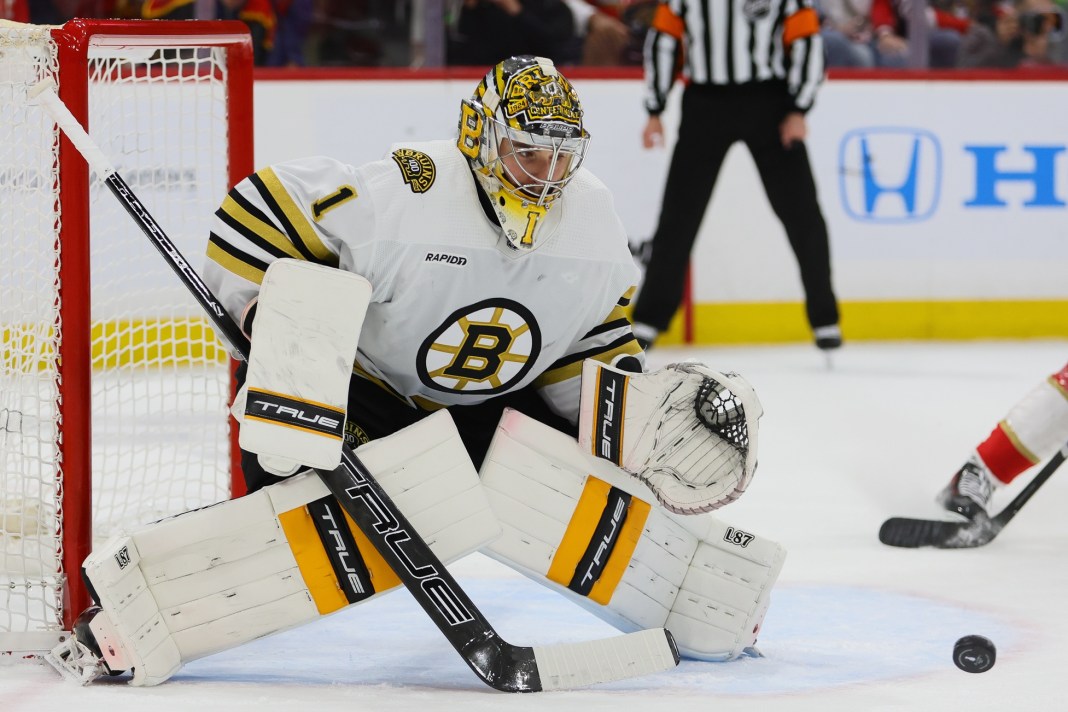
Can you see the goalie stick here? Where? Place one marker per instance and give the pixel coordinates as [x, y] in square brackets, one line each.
[498, 663]
[914, 533]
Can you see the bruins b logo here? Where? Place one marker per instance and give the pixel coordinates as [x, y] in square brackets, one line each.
[484, 348]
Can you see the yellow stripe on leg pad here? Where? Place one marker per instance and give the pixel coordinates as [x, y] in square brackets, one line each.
[633, 526]
[579, 536]
[315, 565]
[312, 561]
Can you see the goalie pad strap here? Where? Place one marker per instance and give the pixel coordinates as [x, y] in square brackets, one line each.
[308, 321]
[217, 577]
[585, 528]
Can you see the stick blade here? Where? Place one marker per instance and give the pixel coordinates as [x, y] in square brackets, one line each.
[569, 665]
[915, 533]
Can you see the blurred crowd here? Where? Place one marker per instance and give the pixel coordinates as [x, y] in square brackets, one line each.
[954, 33]
[891, 34]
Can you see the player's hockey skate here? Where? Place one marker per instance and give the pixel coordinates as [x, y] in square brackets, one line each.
[912, 533]
[828, 338]
[79, 657]
[968, 493]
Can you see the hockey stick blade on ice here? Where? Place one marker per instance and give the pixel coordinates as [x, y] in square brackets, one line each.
[915, 533]
[498, 663]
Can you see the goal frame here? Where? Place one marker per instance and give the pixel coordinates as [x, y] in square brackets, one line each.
[74, 357]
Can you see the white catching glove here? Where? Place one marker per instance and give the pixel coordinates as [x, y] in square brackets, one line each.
[688, 432]
[273, 464]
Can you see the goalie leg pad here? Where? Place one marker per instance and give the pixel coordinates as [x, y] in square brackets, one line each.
[585, 528]
[308, 320]
[212, 579]
[688, 432]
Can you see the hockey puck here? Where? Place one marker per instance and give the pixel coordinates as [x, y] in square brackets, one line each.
[974, 653]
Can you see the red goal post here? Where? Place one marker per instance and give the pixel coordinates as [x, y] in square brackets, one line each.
[113, 388]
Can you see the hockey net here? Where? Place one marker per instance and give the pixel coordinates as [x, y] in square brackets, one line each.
[113, 387]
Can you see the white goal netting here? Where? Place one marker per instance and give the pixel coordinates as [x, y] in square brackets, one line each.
[93, 327]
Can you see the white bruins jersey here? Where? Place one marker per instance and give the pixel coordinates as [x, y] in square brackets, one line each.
[457, 316]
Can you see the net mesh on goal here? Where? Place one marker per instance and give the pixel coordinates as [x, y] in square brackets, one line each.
[159, 380]
[31, 328]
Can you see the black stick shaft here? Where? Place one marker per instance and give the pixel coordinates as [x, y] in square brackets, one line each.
[224, 325]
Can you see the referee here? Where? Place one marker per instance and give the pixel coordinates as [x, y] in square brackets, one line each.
[751, 70]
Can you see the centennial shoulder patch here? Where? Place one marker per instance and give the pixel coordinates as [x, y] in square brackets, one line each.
[416, 168]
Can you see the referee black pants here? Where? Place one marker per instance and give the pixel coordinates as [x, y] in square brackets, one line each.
[713, 119]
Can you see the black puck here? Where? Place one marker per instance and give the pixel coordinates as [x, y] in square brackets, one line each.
[974, 653]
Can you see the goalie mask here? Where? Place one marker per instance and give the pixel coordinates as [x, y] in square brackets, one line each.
[522, 134]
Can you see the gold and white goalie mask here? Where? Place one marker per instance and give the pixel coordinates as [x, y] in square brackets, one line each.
[522, 134]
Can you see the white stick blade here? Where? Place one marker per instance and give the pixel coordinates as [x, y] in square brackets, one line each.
[570, 665]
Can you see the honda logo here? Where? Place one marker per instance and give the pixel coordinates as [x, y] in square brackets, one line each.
[890, 174]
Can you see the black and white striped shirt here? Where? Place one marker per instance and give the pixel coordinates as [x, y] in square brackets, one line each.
[734, 42]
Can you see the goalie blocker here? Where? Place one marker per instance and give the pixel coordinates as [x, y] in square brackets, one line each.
[292, 406]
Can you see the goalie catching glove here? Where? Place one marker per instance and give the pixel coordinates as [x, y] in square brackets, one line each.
[688, 432]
